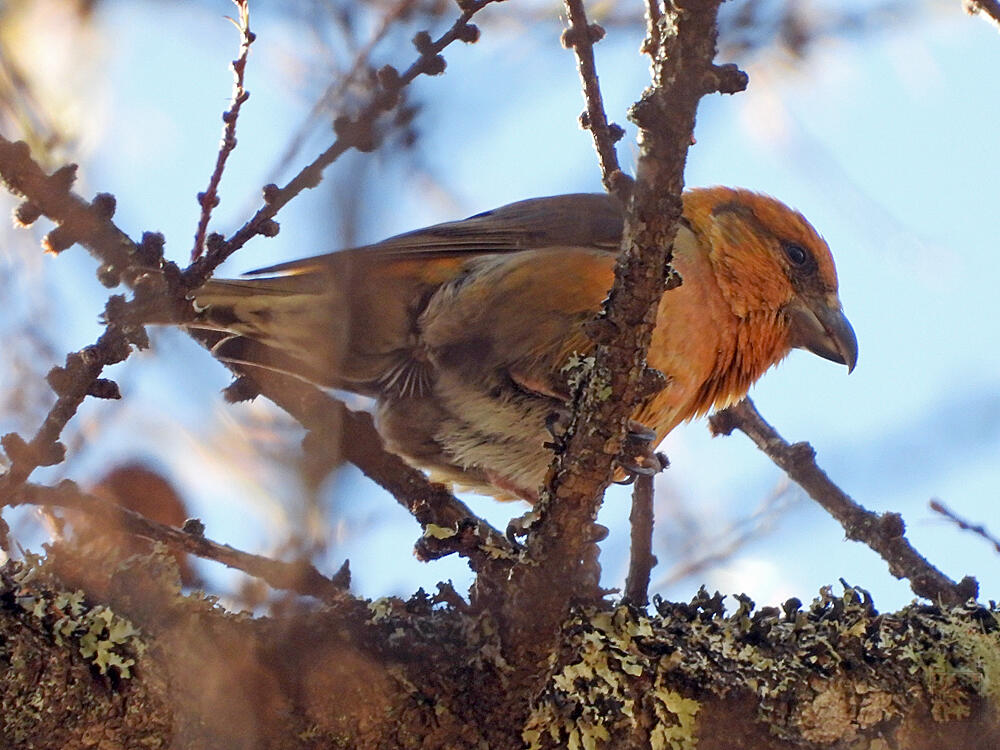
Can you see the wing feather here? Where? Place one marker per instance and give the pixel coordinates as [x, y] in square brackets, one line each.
[592, 220]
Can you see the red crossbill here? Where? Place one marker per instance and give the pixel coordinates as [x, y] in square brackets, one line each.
[462, 332]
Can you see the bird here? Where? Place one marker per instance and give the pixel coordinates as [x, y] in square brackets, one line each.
[462, 332]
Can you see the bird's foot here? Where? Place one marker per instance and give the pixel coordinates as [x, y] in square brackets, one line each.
[638, 457]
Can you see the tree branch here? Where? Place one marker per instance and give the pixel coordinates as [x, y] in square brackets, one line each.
[328, 101]
[300, 577]
[72, 384]
[581, 37]
[451, 525]
[882, 533]
[336, 432]
[976, 528]
[641, 557]
[357, 132]
[210, 198]
[990, 8]
[562, 542]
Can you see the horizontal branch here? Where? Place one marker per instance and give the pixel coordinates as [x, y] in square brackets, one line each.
[300, 577]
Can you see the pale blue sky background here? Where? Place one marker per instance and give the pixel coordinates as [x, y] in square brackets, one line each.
[887, 143]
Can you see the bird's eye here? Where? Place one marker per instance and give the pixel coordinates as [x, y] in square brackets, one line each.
[795, 253]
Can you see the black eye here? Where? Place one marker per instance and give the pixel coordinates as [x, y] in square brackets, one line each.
[796, 254]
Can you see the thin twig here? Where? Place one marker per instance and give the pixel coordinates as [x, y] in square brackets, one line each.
[357, 132]
[641, 559]
[210, 198]
[581, 37]
[326, 103]
[300, 577]
[883, 533]
[938, 507]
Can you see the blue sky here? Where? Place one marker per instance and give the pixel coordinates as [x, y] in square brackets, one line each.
[884, 142]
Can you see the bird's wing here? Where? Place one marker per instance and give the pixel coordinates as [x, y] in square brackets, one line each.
[352, 314]
[521, 315]
[591, 220]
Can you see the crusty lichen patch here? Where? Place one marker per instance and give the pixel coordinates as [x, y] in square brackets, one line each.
[597, 695]
[828, 673]
[106, 639]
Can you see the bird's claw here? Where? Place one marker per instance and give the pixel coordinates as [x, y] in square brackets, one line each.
[637, 432]
[638, 458]
[557, 422]
[644, 466]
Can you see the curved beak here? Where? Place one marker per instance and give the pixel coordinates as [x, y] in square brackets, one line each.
[818, 325]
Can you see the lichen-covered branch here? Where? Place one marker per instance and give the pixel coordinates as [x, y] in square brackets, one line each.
[833, 674]
[883, 533]
[133, 670]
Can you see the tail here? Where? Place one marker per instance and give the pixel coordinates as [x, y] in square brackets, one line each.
[283, 324]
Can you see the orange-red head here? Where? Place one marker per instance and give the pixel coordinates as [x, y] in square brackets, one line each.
[768, 259]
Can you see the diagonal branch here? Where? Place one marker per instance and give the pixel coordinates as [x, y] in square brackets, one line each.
[330, 99]
[158, 288]
[883, 533]
[990, 8]
[449, 525]
[336, 431]
[357, 132]
[72, 384]
[978, 529]
[89, 224]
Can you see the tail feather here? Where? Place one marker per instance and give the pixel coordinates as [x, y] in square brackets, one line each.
[282, 324]
[242, 350]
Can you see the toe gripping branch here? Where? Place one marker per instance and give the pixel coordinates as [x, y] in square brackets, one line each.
[638, 457]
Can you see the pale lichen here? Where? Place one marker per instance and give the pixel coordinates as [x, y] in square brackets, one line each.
[595, 695]
[106, 639]
[822, 674]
